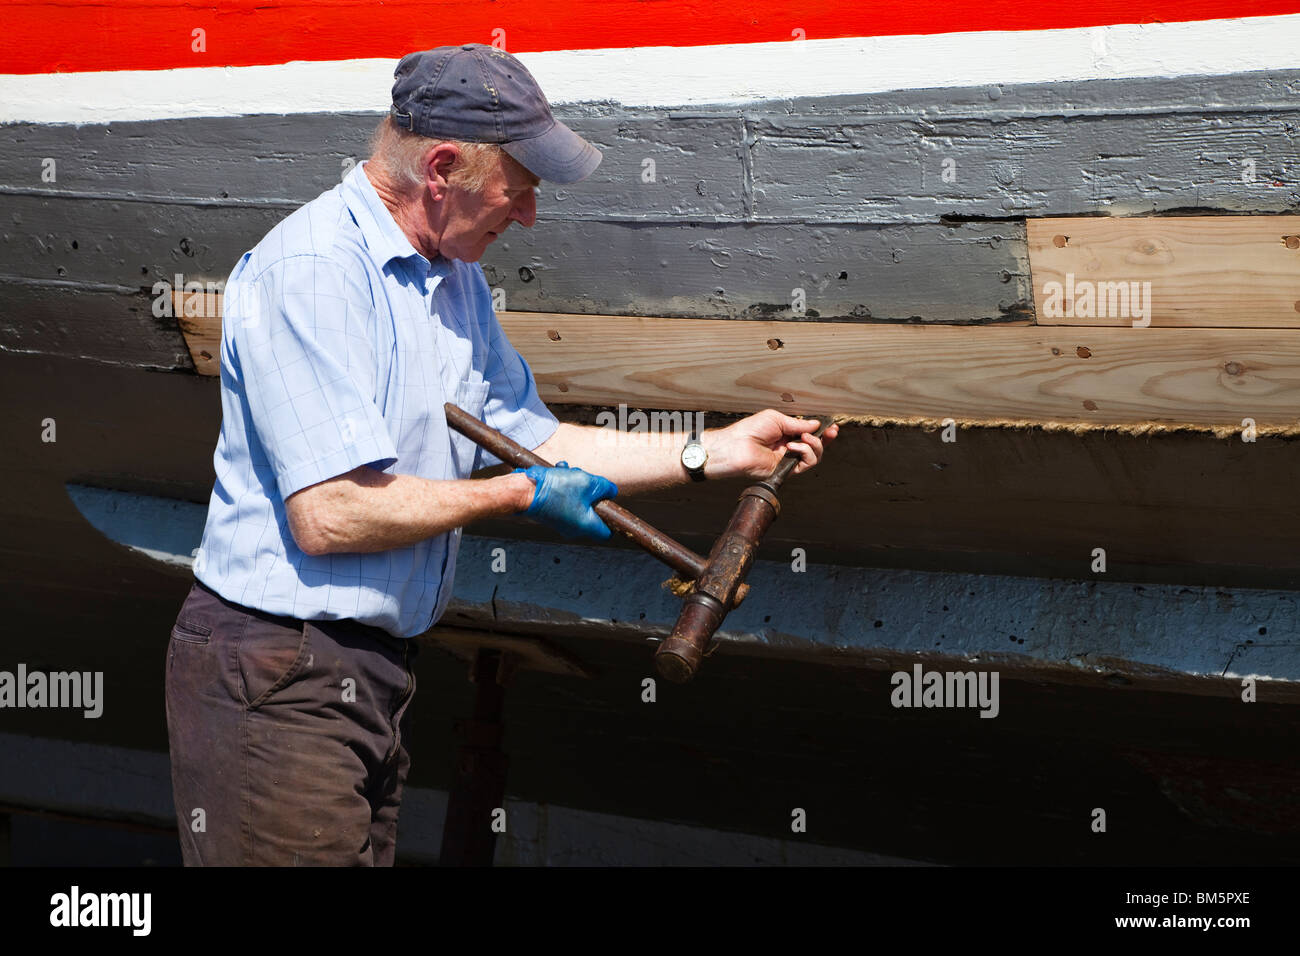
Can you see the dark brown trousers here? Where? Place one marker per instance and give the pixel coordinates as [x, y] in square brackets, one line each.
[288, 738]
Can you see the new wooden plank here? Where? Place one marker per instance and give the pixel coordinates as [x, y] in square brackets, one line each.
[1204, 271]
[198, 313]
[919, 374]
[1100, 376]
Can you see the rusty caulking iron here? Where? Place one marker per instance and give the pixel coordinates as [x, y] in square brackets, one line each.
[717, 584]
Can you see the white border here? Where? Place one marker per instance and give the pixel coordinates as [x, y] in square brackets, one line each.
[685, 76]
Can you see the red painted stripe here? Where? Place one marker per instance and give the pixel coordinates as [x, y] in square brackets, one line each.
[159, 34]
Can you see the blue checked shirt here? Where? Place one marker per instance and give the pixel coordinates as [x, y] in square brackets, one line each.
[339, 345]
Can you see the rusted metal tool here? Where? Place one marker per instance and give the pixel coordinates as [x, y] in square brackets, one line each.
[678, 658]
[719, 581]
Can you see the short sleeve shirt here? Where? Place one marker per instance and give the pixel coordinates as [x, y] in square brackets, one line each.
[340, 344]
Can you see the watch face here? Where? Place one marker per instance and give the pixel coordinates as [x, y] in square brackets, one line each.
[694, 455]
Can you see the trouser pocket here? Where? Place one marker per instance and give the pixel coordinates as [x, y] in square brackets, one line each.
[270, 658]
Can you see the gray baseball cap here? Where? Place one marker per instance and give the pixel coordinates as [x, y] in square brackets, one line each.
[479, 94]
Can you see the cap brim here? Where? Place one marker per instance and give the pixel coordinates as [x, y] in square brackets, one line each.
[558, 156]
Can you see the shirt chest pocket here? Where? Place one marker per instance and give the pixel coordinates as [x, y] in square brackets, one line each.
[471, 396]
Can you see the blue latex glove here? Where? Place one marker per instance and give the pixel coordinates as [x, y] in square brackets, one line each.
[564, 497]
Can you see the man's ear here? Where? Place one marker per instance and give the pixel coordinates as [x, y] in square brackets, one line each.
[438, 162]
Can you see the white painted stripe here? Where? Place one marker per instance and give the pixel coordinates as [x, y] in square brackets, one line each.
[686, 76]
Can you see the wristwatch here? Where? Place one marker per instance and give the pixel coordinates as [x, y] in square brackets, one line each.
[693, 457]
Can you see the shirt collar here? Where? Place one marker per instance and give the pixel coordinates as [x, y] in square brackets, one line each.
[384, 239]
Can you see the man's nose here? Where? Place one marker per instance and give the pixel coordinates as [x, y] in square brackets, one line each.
[525, 209]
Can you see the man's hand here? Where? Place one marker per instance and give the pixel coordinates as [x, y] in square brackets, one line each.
[564, 497]
[754, 446]
[644, 461]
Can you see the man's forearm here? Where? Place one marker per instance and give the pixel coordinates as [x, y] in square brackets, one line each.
[366, 510]
[635, 461]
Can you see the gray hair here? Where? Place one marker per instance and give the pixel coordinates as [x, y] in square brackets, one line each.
[400, 156]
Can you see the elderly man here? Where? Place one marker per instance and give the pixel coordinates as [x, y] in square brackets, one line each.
[340, 491]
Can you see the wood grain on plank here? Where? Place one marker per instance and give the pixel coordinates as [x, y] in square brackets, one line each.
[908, 373]
[1203, 271]
[199, 316]
[1095, 376]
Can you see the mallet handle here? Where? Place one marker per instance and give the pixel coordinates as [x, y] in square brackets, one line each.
[678, 557]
